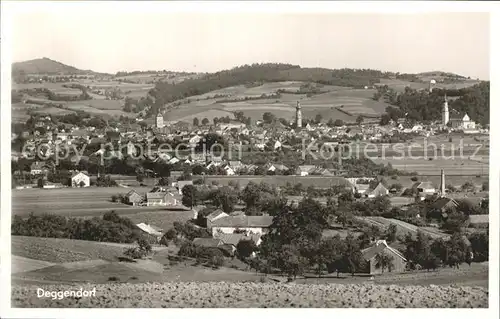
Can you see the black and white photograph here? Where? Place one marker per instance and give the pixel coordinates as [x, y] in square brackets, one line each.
[183, 155]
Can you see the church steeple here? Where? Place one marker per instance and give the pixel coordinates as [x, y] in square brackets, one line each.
[298, 115]
[445, 114]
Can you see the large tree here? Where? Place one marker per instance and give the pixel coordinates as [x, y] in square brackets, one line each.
[384, 261]
[225, 198]
[189, 196]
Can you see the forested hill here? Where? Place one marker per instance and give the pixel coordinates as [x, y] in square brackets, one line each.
[271, 72]
[422, 106]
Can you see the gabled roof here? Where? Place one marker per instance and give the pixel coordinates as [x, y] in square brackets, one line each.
[156, 195]
[306, 168]
[149, 229]
[423, 185]
[215, 214]
[132, 192]
[379, 188]
[234, 239]
[442, 202]
[207, 242]
[364, 187]
[378, 247]
[244, 221]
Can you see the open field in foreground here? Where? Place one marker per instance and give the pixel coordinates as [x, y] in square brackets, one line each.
[59, 250]
[262, 295]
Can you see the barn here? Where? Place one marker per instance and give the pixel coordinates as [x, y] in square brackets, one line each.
[380, 249]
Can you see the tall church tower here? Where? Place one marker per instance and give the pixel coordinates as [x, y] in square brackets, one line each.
[298, 115]
[445, 114]
[443, 185]
[159, 121]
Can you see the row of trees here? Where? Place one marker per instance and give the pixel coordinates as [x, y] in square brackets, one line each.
[44, 92]
[109, 228]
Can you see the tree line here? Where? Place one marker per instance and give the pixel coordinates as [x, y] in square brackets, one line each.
[108, 228]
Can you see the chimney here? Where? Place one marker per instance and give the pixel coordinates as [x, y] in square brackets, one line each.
[443, 185]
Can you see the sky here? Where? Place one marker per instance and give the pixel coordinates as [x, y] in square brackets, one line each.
[207, 42]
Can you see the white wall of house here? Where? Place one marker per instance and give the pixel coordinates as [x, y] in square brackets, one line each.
[230, 230]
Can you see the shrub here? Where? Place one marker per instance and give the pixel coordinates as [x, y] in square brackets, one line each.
[113, 278]
[216, 261]
[144, 245]
[135, 253]
[187, 249]
[245, 248]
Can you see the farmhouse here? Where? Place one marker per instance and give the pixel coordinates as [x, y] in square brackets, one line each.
[442, 204]
[246, 224]
[80, 179]
[161, 199]
[213, 216]
[234, 239]
[424, 188]
[374, 264]
[133, 198]
[361, 188]
[379, 190]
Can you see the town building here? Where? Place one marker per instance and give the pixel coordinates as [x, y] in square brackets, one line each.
[463, 122]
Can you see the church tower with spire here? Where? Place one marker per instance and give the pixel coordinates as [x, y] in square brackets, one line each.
[159, 120]
[298, 115]
[445, 113]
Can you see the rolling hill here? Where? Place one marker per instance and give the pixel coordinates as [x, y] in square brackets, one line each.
[48, 67]
[253, 89]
